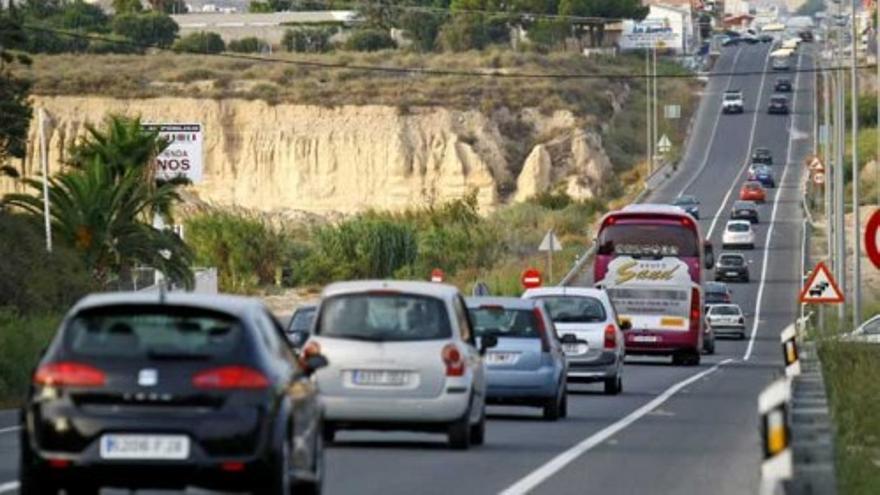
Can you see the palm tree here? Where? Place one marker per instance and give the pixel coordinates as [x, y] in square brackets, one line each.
[104, 205]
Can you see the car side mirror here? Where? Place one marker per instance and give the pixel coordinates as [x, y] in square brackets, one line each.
[487, 342]
[626, 325]
[569, 338]
[314, 362]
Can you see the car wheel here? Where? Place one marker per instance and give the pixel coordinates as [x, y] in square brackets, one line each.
[81, 489]
[459, 432]
[33, 484]
[742, 336]
[313, 486]
[613, 385]
[478, 431]
[564, 408]
[328, 433]
[553, 408]
[280, 482]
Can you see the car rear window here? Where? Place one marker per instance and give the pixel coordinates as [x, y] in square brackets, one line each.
[380, 317]
[154, 332]
[574, 309]
[738, 227]
[512, 323]
[742, 205]
[715, 297]
[731, 261]
[302, 320]
[724, 310]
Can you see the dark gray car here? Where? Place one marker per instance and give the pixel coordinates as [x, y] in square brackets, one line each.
[744, 210]
[733, 267]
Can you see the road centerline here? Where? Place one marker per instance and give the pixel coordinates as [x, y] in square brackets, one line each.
[541, 474]
[9, 487]
[759, 298]
[10, 429]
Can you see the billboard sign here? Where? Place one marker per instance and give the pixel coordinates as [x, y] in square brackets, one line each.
[650, 33]
[183, 156]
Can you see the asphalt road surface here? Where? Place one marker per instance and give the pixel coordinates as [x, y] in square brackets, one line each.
[674, 430]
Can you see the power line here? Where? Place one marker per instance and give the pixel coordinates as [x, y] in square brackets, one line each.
[425, 71]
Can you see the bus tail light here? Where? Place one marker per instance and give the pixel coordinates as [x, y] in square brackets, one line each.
[695, 305]
[610, 337]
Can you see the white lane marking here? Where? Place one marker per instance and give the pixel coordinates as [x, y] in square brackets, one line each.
[714, 129]
[735, 184]
[760, 297]
[8, 487]
[11, 429]
[538, 476]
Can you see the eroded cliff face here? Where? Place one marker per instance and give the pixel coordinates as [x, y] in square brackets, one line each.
[352, 158]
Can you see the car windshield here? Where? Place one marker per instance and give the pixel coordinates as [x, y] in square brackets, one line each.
[574, 309]
[732, 260]
[724, 310]
[504, 322]
[685, 201]
[715, 297]
[302, 320]
[738, 227]
[778, 99]
[648, 240]
[743, 205]
[753, 185]
[871, 327]
[731, 96]
[152, 332]
[384, 317]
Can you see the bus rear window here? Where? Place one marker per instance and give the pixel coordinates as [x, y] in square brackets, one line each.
[648, 240]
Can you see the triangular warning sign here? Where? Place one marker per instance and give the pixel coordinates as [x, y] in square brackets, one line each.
[821, 287]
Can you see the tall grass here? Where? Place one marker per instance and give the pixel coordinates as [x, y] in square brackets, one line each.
[22, 338]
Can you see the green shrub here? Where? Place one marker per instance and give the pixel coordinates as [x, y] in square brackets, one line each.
[370, 40]
[22, 340]
[113, 43]
[308, 40]
[31, 280]
[248, 45]
[148, 29]
[247, 251]
[421, 27]
[201, 42]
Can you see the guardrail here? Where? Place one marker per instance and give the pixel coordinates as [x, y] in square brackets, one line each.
[795, 423]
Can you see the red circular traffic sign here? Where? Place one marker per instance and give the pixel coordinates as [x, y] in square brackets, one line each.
[819, 178]
[437, 275]
[871, 239]
[531, 278]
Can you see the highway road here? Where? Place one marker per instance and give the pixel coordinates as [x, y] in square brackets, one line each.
[674, 430]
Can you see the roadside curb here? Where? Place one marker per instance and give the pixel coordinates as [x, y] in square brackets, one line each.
[812, 436]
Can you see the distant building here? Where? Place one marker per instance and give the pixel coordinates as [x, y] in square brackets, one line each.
[269, 27]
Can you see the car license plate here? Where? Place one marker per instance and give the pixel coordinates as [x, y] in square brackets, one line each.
[380, 377]
[730, 274]
[744, 213]
[645, 338]
[501, 357]
[145, 447]
[576, 349]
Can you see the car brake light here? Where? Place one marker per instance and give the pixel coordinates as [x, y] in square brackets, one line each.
[232, 467]
[230, 378]
[542, 330]
[454, 361]
[59, 463]
[610, 336]
[687, 222]
[69, 374]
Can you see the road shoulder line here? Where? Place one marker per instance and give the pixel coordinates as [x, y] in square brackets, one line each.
[538, 476]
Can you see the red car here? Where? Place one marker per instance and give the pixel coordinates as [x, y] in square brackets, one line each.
[753, 191]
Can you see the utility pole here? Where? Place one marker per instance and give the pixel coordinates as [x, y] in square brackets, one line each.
[656, 104]
[857, 227]
[650, 134]
[44, 165]
[826, 159]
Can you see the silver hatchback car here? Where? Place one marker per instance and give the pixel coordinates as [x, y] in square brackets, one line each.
[591, 336]
[403, 357]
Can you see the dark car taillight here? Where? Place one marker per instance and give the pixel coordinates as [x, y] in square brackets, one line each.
[542, 330]
[454, 361]
[610, 336]
[695, 305]
[69, 374]
[230, 378]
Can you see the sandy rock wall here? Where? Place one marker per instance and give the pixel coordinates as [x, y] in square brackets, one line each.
[347, 159]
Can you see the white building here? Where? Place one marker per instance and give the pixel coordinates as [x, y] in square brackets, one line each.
[736, 7]
[666, 27]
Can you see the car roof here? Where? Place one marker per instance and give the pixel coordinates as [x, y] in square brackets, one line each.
[432, 289]
[686, 197]
[728, 254]
[737, 221]
[715, 286]
[565, 291]
[505, 302]
[306, 307]
[753, 183]
[743, 203]
[653, 208]
[234, 305]
[779, 97]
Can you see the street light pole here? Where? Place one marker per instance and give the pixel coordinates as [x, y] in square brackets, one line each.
[649, 138]
[857, 228]
[656, 104]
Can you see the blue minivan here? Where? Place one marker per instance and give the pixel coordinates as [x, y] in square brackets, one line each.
[528, 366]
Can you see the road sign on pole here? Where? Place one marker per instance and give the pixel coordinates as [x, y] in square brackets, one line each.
[531, 278]
[672, 112]
[871, 242]
[664, 144]
[550, 244]
[819, 178]
[821, 287]
[437, 275]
